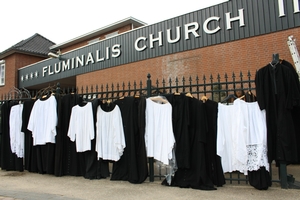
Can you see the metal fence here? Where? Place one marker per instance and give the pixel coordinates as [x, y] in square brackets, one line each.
[215, 88]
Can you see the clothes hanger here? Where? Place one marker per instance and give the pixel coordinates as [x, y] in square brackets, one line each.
[204, 98]
[189, 95]
[230, 96]
[159, 99]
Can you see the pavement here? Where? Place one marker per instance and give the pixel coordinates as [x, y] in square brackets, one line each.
[32, 186]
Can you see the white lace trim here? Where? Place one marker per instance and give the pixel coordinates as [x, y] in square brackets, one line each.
[257, 157]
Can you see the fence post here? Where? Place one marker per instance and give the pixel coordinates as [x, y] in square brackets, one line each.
[151, 160]
[58, 88]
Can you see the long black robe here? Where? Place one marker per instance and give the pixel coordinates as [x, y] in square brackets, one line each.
[9, 160]
[215, 170]
[94, 168]
[296, 109]
[196, 176]
[131, 166]
[45, 154]
[180, 122]
[276, 91]
[30, 150]
[67, 160]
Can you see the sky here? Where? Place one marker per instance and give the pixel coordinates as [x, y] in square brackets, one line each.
[63, 20]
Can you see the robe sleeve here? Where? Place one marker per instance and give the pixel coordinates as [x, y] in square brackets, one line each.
[260, 93]
[71, 130]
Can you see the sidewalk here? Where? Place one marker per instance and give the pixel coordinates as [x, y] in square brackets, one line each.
[25, 185]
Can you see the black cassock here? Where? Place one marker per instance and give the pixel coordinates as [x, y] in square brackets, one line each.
[132, 165]
[277, 91]
[180, 122]
[67, 160]
[214, 169]
[196, 174]
[9, 161]
[94, 168]
[30, 150]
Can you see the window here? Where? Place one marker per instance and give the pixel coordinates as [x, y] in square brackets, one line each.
[2, 72]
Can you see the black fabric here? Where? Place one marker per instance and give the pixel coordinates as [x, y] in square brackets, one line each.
[45, 158]
[9, 160]
[260, 179]
[30, 150]
[277, 92]
[214, 166]
[196, 176]
[295, 110]
[129, 167]
[94, 168]
[68, 160]
[180, 122]
[141, 153]
[45, 154]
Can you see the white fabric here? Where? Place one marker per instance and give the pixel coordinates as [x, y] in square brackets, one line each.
[257, 138]
[15, 126]
[110, 140]
[159, 136]
[43, 121]
[241, 137]
[225, 138]
[81, 127]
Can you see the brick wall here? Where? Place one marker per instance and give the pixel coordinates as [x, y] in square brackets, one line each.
[12, 64]
[101, 37]
[239, 56]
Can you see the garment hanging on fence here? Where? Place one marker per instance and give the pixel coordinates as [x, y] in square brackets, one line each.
[81, 128]
[192, 139]
[159, 137]
[110, 141]
[241, 138]
[8, 160]
[30, 163]
[67, 160]
[277, 91]
[95, 168]
[43, 121]
[16, 134]
[214, 169]
[132, 165]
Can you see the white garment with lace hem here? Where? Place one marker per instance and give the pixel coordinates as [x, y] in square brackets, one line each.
[241, 137]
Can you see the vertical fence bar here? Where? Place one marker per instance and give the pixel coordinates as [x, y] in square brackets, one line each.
[183, 84]
[170, 85]
[190, 81]
[197, 87]
[58, 88]
[151, 160]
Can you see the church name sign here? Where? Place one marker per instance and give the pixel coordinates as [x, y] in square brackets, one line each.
[141, 43]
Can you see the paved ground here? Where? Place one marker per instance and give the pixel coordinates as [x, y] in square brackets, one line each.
[25, 185]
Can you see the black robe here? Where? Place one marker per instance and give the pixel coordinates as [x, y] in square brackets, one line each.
[277, 93]
[45, 155]
[94, 168]
[180, 122]
[196, 175]
[9, 160]
[67, 160]
[30, 150]
[214, 169]
[132, 165]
